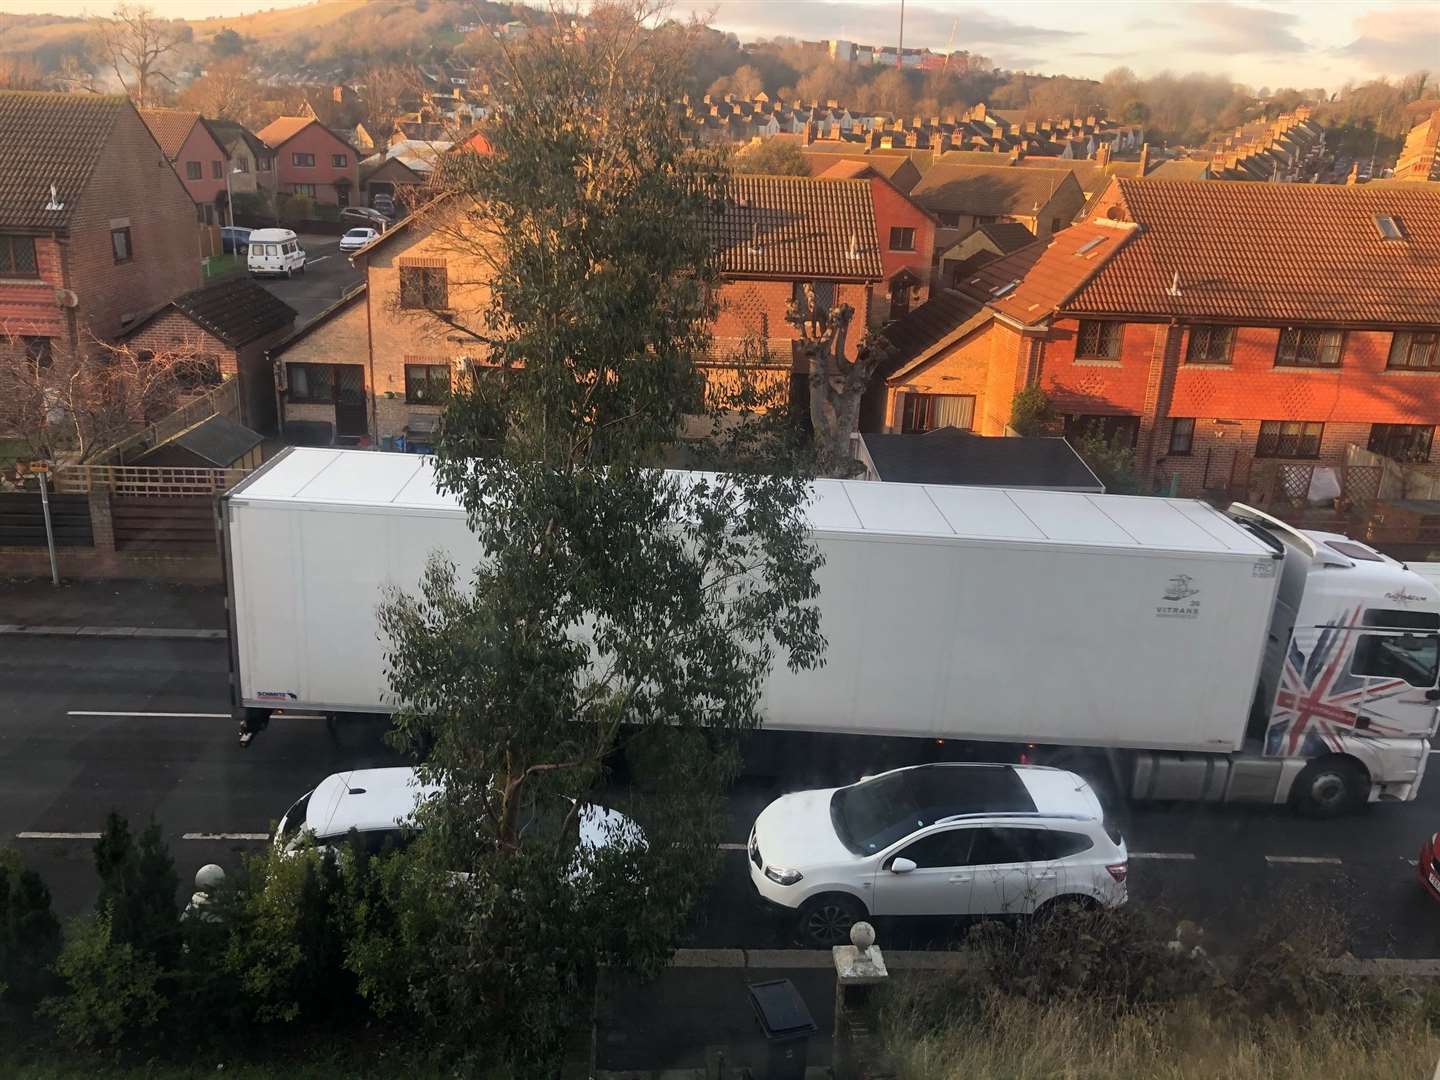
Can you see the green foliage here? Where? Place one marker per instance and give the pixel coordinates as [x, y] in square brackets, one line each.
[1113, 461]
[29, 931]
[1031, 412]
[112, 988]
[771, 157]
[287, 936]
[227, 43]
[296, 208]
[137, 890]
[253, 206]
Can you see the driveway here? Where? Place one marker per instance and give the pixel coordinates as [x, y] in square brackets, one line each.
[328, 276]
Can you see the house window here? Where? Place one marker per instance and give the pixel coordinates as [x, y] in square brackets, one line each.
[242, 164]
[1099, 340]
[307, 190]
[217, 171]
[426, 384]
[339, 161]
[948, 221]
[1122, 431]
[1182, 436]
[40, 352]
[1209, 344]
[1415, 349]
[17, 257]
[193, 170]
[926, 412]
[1402, 442]
[265, 162]
[120, 245]
[1289, 438]
[1309, 348]
[902, 239]
[311, 383]
[423, 288]
[303, 161]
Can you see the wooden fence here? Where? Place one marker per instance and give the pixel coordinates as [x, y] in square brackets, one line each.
[146, 480]
[224, 400]
[160, 526]
[22, 520]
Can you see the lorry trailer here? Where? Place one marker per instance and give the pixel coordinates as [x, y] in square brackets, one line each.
[1208, 655]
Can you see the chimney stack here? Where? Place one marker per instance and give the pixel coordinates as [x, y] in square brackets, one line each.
[1354, 177]
[1017, 154]
[809, 136]
[1102, 154]
[1144, 158]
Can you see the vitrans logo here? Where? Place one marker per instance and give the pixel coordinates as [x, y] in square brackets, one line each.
[1179, 596]
[1401, 597]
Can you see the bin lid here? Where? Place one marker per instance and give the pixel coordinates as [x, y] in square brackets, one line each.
[780, 1008]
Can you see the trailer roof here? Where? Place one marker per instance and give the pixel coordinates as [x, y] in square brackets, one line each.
[363, 478]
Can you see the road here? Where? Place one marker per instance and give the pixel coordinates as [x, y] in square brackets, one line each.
[142, 726]
[328, 276]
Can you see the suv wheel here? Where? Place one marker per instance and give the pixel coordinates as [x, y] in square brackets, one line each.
[1062, 906]
[826, 920]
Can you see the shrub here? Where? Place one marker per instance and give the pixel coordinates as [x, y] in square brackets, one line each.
[1113, 462]
[1032, 414]
[297, 208]
[137, 889]
[112, 989]
[29, 931]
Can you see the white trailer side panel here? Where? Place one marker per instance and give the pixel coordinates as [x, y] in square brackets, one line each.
[949, 612]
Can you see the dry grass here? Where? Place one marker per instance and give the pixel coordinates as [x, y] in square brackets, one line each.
[1013, 1039]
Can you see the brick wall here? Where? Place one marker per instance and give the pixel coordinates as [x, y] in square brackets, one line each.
[132, 186]
[29, 308]
[175, 334]
[317, 140]
[200, 146]
[1103, 387]
[343, 338]
[982, 366]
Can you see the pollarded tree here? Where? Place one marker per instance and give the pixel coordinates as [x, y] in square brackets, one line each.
[614, 607]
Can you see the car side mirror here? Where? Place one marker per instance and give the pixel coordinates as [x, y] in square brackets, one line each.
[1433, 695]
[901, 865]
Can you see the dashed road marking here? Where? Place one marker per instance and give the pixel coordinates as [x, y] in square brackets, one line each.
[1304, 860]
[1166, 856]
[226, 836]
[732, 847]
[162, 715]
[57, 836]
[317, 259]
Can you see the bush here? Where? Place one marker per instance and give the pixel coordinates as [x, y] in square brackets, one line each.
[137, 889]
[327, 212]
[112, 989]
[297, 208]
[255, 206]
[29, 931]
[1113, 462]
[1032, 414]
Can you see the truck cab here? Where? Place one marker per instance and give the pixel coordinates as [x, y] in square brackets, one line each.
[1348, 686]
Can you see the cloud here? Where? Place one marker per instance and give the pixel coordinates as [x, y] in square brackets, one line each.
[1234, 28]
[1396, 41]
[972, 28]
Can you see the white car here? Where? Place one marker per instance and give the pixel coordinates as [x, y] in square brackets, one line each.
[356, 239]
[928, 840]
[380, 805]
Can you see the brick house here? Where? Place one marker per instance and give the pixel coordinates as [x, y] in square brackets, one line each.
[776, 236]
[198, 156]
[393, 344]
[312, 160]
[252, 160]
[905, 234]
[1211, 325]
[232, 323]
[964, 197]
[95, 227]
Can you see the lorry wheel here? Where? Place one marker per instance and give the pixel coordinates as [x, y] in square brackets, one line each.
[1329, 787]
[826, 920]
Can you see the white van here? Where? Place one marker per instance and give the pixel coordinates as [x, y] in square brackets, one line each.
[275, 251]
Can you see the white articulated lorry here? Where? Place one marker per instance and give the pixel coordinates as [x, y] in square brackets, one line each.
[1213, 656]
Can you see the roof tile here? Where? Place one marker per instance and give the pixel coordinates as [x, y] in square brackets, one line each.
[171, 127]
[988, 191]
[798, 227]
[45, 139]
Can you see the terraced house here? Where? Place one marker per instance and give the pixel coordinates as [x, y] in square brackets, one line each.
[1214, 326]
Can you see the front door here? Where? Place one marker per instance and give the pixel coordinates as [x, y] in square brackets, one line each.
[939, 884]
[342, 195]
[351, 414]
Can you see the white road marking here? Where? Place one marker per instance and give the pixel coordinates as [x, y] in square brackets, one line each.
[318, 258]
[169, 715]
[732, 847]
[1169, 856]
[1304, 860]
[1412, 862]
[57, 836]
[226, 836]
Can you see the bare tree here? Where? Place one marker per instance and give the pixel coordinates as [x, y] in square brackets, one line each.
[837, 383]
[227, 91]
[21, 73]
[77, 405]
[135, 42]
[389, 91]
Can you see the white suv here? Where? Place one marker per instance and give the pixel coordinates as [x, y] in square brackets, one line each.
[950, 840]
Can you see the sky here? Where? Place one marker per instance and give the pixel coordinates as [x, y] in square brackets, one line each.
[1302, 43]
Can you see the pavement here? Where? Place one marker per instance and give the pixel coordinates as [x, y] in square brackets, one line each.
[35, 604]
[328, 276]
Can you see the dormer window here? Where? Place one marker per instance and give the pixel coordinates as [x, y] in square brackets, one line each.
[1390, 227]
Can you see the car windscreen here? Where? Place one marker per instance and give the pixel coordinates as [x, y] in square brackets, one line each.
[873, 814]
[295, 817]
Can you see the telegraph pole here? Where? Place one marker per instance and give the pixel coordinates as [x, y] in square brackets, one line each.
[900, 48]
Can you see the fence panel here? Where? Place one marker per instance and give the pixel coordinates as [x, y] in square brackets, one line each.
[22, 520]
[147, 480]
[163, 525]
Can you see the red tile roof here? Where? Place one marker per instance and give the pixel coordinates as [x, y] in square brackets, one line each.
[49, 139]
[283, 128]
[1030, 284]
[798, 227]
[989, 191]
[1272, 253]
[171, 127]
